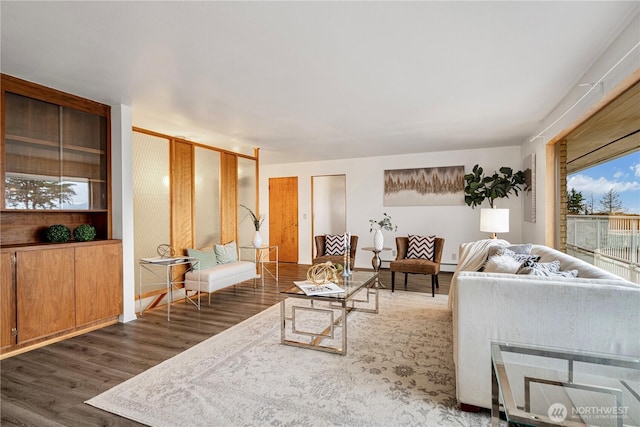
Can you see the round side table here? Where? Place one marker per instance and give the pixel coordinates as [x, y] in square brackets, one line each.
[376, 262]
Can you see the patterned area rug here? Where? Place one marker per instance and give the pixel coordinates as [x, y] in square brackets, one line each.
[398, 371]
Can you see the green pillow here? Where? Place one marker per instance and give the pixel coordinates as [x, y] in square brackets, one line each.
[226, 253]
[206, 257]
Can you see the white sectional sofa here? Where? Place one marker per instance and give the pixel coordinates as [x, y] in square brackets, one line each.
[218, 268]
[595, 311]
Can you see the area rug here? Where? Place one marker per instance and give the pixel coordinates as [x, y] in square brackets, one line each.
[398, 372]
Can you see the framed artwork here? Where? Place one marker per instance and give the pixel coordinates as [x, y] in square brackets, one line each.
[438, 186]
[529, 166]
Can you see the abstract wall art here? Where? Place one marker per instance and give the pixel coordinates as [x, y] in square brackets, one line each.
[439, 186]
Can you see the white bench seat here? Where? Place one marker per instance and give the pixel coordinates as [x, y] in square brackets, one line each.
[220, 276]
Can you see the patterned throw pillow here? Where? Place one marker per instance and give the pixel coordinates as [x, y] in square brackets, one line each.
[540, 268]
[421, 247]
[334, 244]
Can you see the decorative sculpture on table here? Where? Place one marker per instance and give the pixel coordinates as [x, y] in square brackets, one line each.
[323, 273]
[165, 251]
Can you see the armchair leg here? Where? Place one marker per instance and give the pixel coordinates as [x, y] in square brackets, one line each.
[437, 282]
[393, 281]
[405, 280]
[433, 285]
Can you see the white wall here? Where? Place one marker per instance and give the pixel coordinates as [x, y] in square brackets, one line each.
[616, 63]
[457, 224]
[122, 201]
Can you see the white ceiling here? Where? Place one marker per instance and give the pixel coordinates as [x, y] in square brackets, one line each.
[317, 80]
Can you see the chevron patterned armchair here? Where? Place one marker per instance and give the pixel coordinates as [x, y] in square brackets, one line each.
[336, 259]
[405, 265]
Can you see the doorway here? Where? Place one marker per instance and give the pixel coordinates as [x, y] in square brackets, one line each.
[329, 206]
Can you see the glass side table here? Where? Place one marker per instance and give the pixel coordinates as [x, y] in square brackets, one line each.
[170, 272]
[541, 386]
[262, 257]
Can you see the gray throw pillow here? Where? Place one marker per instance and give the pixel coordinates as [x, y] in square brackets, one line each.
[524, 249]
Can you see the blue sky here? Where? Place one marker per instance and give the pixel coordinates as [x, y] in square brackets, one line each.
[621, 174]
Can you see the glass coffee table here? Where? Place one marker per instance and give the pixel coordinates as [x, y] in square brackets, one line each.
[542, 386]
[314, 321]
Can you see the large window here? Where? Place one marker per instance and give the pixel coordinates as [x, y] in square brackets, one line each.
[603, 215]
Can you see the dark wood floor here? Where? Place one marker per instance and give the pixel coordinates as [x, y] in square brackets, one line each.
[47, 386]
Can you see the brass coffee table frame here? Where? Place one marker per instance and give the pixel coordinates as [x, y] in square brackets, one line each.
[343, 303]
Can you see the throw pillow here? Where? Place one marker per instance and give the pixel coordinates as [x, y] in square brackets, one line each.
[502, 264]
[540, 268]
[521, 249]
[206, 257]
[504, 250]
[226, 253]
[334, 244]
[421, 247]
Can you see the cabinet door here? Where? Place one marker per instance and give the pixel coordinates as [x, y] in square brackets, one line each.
[7, 301]
[98, 282]
[44, 293]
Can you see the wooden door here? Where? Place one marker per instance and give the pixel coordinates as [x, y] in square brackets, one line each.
[98, 270]
[283, 217]
[7, 301]
[45, 293]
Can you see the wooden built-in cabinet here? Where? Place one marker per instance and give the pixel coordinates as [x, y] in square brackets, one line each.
[54, 168]
[56, 158]
[98, 283]
[57, 290]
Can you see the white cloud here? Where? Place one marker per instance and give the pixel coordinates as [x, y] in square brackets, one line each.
[636, 169]
[618, 175]
[587, 184]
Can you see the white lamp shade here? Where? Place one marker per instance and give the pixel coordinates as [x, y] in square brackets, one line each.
[494, 220]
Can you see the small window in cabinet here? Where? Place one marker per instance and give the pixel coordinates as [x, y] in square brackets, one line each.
[55, 157]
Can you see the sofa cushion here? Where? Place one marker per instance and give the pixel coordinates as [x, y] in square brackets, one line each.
[206, 257]
[226, 253]
[421, 247]
[334, 244]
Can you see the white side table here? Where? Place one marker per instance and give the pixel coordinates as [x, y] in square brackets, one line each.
[262, 257]
[158, 265]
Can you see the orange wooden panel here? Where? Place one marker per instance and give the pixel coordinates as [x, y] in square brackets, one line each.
[7, 301]
[283, 217]
[45, 292]
[228, 197]
[98, 270]
[182, 196]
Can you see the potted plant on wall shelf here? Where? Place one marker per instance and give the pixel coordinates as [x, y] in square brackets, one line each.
[384, 224]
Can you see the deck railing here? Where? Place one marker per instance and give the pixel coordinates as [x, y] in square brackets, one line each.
[610, 242]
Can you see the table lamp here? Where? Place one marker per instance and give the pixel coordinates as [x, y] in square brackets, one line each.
[494, 221]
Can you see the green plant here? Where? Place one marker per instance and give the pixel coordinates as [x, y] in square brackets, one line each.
[257, 222]
[84, 233]
[58, 233]
[383, 224]
[479, 187]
